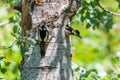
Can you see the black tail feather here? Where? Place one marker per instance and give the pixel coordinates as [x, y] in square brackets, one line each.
[42, 50]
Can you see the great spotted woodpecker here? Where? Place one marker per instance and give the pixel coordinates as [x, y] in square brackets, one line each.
[72, 31]
[43, 37]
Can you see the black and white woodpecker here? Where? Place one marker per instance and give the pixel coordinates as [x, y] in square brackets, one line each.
[72, 31]
[43, 37]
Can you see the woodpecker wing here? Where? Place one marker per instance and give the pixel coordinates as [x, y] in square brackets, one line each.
[43, 33]
[42, 49]
[47, 36]
[69, 29]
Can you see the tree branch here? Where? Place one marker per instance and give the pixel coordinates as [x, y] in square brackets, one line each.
[114, 13]
[18, 6]
[4, 23]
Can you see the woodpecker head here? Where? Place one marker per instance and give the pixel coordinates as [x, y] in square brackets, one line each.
[43, 32]
[72, 31]
[69, 29]
[42, 26]
[77, 33]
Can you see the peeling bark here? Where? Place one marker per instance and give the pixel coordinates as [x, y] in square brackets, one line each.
[57, 62]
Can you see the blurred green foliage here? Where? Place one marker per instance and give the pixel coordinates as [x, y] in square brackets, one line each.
[95, 57]
[9, 53]
[99, 49]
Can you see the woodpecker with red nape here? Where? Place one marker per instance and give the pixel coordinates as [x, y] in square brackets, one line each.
[43, 37]
[72, 31]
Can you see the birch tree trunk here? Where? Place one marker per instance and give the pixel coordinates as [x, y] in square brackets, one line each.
[56, 65]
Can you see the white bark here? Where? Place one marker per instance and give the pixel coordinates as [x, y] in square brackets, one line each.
[57, 62]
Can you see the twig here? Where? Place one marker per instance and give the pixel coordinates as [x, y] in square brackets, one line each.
[4, 23]
[114, 13]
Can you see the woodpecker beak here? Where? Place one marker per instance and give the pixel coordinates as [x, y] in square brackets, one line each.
[79, 36]
[77, 33]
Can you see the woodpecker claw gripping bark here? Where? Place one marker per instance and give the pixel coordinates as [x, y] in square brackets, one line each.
[43, 37]
[72, 31]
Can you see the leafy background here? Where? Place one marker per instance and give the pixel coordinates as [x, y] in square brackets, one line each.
[95, 57]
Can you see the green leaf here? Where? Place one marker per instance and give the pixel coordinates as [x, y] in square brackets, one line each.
[82, 10]
[3, 70]
[1, 58]
[118, 3]
[82, 18]
[23, 50]
[118, 75]
[115, 60]
[88, 25]
[77, 69]
[2, 79]
[108, 26]
[7, 63]
[94, 70]
[15, 28]
[11, 19]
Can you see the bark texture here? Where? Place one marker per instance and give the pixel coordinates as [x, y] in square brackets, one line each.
[57, 62]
